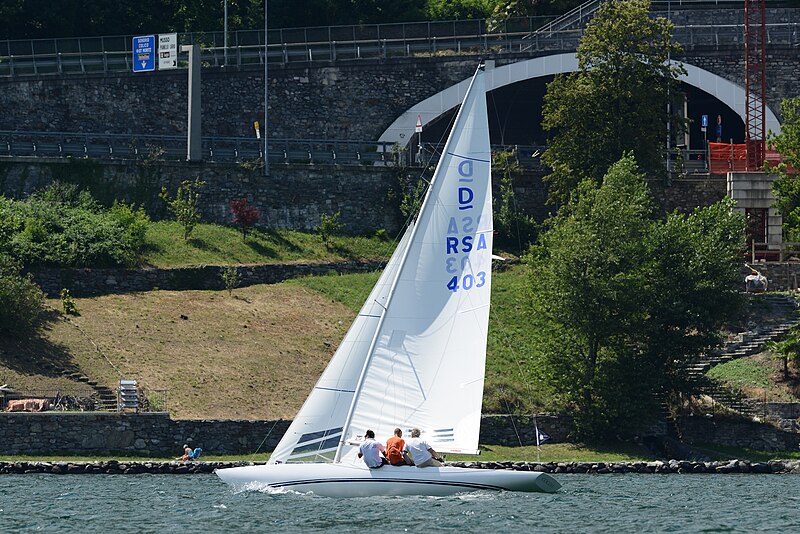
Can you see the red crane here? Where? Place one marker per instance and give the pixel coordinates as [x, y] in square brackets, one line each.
[755, 59]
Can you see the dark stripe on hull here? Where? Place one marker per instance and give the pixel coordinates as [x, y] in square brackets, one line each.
[469, 485]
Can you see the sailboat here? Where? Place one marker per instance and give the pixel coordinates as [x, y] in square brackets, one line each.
[415, 355]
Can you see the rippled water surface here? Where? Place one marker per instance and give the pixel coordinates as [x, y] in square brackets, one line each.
[586, 503]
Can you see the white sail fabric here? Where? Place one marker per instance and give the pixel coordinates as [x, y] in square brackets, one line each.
[315, 433]
[427, 366]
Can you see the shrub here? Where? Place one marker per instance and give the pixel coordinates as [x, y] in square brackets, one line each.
[68, 303]
[21, 300]
[244, 215]
[329, 226]
[185, 204]
[62, 226]
[231, 278]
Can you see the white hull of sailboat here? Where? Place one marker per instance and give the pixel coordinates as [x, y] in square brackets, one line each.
[339, 480]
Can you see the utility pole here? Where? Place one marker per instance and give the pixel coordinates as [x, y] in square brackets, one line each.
[266, 84]
[225, 34]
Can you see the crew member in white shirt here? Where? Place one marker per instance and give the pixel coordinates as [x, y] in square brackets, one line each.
[372, 451]
[418, 451]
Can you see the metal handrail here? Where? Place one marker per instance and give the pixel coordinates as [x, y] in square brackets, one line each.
[242, 150]
[154, 148]
[337, 43]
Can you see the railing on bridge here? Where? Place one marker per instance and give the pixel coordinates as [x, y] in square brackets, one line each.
[215, 149]
[337, 43]
[243, 150]
[247, 150]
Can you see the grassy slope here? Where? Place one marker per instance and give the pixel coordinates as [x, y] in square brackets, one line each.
[253, 355]
[239, 357]
[212, 244]
[759, 376]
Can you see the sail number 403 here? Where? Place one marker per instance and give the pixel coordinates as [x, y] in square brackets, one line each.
[468, 281]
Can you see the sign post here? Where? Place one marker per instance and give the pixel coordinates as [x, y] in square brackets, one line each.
[144, 57]
[704, 129]
[418, 131]
[167, 51]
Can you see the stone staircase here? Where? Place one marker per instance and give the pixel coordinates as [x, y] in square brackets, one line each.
[105, 399]
[783, 312]
[754, 340]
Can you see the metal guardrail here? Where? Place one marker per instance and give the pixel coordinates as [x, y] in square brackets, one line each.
[153, 148]
[338, 43]
[245, 150]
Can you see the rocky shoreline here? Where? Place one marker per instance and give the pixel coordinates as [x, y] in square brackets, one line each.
[118, 467]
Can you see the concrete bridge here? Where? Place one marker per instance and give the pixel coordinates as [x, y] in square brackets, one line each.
[349, 98]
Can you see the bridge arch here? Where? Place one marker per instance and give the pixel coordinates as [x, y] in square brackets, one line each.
[402, 129]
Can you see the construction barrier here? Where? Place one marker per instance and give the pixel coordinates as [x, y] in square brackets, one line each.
[730, 157]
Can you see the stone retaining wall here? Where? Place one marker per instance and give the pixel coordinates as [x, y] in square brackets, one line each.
[155, 434]
[92, 282]
[737, 433]
[146, 434]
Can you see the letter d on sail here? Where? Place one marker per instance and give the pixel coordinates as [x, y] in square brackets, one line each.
[465, 196]
[465, 168]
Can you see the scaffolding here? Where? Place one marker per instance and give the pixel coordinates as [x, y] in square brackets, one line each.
[755, 56]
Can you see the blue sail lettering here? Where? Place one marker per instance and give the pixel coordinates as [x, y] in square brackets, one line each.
[481, 242]
[465, 170]
[467, 228]
[452, 227]
[465, 196]
[467, 242]
[452, 245]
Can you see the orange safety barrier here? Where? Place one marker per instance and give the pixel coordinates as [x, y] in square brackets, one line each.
[726, 157]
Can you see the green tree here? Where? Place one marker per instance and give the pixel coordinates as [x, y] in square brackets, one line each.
[329, 226]
[513, 227]
[787, 187]
[621, 300]
[21, 300]
[185, 205]
[617, 100]
[788, 349]
[458, 9]
[231, 278]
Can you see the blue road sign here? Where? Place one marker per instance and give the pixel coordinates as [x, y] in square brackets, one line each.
[144, 53]
[704, 121]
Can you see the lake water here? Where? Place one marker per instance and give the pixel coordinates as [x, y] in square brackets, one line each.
[586, 503]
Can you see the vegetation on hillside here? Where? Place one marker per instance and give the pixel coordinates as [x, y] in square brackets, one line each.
[621, 300]
[65, 227]
[787, 187]
[21, 300]
[616, 101]
[26, 19]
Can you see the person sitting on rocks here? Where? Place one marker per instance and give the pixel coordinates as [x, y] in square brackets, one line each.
[189, 454]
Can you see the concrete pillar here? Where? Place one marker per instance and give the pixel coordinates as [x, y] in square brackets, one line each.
[753, 190]
[194, 142]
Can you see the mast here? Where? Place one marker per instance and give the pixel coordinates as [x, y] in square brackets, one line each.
[403, 260]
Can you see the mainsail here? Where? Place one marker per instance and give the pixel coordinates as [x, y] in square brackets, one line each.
[415, 355]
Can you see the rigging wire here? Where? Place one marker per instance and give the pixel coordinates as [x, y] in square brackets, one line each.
[507, 341]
